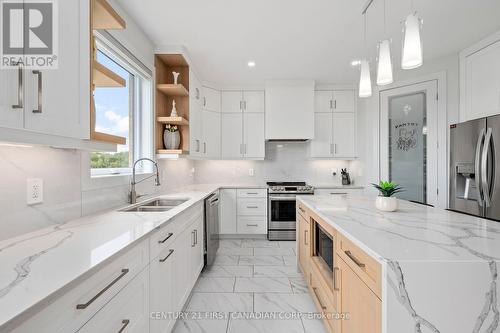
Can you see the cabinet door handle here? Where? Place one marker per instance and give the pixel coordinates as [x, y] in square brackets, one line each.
[195, 236]
[252, 193]
[331, 104]
[204, 101]
[197, 93]
[197, 146]
[99, 294]
[331, 148]
[305, 237]
[335, 104]
[244, 105]
[20, 87]
[319, 299]
[170, 234]
[335, 286]
[40, 91]
[252, 225]
[192, 239]
[354, 259]
[204, 147]
[168, 255]
[125, 323]
[253, 207]
[302, 209]
[335, 148]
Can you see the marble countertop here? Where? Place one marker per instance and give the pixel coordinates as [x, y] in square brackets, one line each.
[37, 265]
[336, 186]
[413, 233]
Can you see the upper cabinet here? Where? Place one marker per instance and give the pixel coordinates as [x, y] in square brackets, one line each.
[334, 125]
[480, 79]
[211, 99]
[243, 125]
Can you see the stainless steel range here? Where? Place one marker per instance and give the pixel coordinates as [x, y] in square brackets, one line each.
[281, 216]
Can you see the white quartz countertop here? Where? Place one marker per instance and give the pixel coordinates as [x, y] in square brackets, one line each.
[36, 265]
[337, 186]
[413, 233]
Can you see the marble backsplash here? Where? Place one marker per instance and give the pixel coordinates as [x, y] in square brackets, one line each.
[285, 161]
[65, 198]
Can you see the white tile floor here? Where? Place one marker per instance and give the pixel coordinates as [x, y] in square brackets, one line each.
[251, 277]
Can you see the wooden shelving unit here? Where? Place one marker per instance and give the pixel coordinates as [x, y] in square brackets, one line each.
[179, 121]
[104, 77]
[173, 89]
[165, 64]
[103, 16]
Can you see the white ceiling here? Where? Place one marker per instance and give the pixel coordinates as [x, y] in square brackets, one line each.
[300, 39]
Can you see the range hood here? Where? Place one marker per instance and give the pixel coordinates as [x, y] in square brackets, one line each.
[290, 110]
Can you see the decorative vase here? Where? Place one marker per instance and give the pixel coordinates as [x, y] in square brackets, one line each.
[171, 140]
[386, 204]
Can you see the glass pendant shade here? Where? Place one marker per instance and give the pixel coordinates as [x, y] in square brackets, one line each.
[412, 44]
[384, 70]
[365, 82]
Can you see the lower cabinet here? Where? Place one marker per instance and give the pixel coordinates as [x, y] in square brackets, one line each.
[338, 191]
[227, 211]
[127, 312]
[359, 301]
[243, 212]
[304, 240]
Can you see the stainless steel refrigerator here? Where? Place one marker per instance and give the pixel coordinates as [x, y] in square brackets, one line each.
[474, 157]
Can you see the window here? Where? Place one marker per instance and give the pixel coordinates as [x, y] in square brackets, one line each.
[123, 111]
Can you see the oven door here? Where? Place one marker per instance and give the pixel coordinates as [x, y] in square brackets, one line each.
[282, 212]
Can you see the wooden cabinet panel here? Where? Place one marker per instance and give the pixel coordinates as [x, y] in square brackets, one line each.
[359, 302]
[304, 244]
[227, 211]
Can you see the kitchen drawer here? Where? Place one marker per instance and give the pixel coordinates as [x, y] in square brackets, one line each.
[251, 207]
[366, 267]
[338, 191]
[323, 298]
[166, 235]
[127, 312]
[252, 225]
[90, 296]
[251, 193]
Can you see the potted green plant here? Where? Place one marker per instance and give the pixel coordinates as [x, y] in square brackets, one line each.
[386, 202]
[171, 137]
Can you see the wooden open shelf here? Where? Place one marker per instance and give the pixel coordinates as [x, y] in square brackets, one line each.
[105, 17]
[171, 151]
[173, 89]
[179, 121]
[168, 92]
[97, 136]
[105, 78]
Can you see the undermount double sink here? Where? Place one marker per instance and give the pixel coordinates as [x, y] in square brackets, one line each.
[156, 205]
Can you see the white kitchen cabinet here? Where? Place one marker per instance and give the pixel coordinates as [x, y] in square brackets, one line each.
[211, 144]
[211, 99]
[480, 80]
[162, 286]
[232, 101]
[53, 96]
[197, 252]
[127, 312]
[252, 225]
[344, 101]
[232, 135]
[254, 101]
[253, 135]
[344, 135]
[227, 212]
[11, 99]
[182, 263]
[322, 144]
[334, 125]
[195, 116]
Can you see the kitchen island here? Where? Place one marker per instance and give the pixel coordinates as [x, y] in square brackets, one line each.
[419, 269]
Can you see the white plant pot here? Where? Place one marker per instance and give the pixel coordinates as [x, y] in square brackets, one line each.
[171, 140]
[386, 204]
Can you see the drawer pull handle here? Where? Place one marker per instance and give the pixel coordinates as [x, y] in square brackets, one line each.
[168, 255]
[353, 258]
[253, 207]
[252, 225]
[125, 323]
[305, 237]
[193, 239]
[335, 286]
[252, 193]
[319, 300]
[170, 234]
[302, 209]
[84, 306]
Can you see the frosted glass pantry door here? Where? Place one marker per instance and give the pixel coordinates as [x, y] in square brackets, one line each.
[409, 140]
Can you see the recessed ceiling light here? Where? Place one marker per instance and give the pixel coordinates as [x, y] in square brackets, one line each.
[251, 64]
[355, 63]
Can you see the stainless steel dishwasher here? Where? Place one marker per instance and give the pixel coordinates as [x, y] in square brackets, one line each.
[211, 228]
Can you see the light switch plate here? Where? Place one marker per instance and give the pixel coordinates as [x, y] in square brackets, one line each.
[34, 191]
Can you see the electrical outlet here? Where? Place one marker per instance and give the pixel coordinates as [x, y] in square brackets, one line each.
[34, 191]
[251, 172]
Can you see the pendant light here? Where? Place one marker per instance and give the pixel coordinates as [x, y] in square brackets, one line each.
[412, 43]
[384, 69]
[365, 82]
